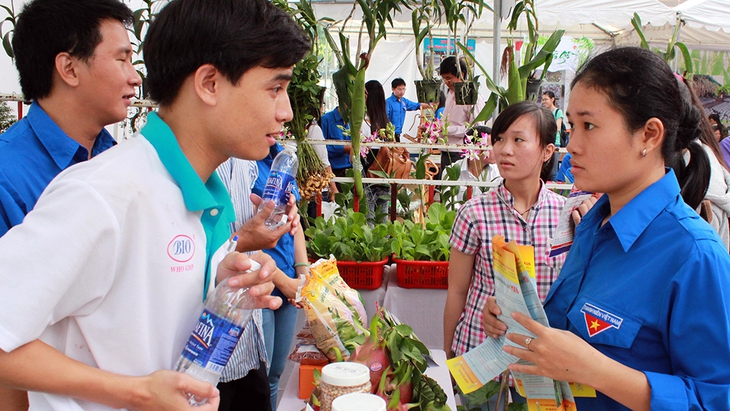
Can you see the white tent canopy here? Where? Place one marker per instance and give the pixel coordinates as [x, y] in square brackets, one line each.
[604, 21]
[604, 13]
[711, 15]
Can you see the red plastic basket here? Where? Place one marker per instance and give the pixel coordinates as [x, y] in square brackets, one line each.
[422, 274]
[364, 275]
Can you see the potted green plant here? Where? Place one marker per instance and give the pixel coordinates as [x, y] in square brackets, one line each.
[467, 92]
[518, 77]
[465, 12]
[423, 19]
[422, 249]
[361, 250]
[672, 45]
[349, 80]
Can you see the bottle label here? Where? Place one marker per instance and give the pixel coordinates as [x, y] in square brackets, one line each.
[212, 342]
[278, 187]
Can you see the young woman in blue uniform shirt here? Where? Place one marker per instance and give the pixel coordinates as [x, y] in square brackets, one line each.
[641, 309]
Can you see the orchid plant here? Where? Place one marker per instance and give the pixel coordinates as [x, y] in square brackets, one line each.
[482, 146]
[386, 134]
[432, 130]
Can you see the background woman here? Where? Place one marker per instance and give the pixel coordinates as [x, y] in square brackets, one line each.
[643, 296]
[520, 209]
[718, 128]
[715, 207]
[376, 118]
[548, 101]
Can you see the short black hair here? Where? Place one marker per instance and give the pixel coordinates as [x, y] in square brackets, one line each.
[397, 82]
[545, 125]
[46, 28]
[448, 66]
[232, 35]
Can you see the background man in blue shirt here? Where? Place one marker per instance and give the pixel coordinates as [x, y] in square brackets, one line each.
[339, 156]
[396, 106]
[74, 62]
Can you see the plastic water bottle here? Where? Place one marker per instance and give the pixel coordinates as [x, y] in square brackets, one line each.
[217, 332]
[280, 184]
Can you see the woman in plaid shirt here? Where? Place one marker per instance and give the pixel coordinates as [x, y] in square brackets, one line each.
[520, 209]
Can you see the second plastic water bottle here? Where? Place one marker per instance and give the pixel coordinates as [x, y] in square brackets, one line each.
[280, 184]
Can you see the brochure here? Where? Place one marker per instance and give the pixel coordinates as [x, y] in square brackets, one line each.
[516, 292]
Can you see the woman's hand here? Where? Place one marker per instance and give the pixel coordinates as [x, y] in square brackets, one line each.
[584, 207]
[493, 327]
[563, 356]
[557, 354]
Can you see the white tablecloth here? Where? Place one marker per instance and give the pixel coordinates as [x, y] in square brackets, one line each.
[290, 400]
[422, 309]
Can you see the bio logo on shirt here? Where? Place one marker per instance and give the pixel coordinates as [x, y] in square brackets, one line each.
[599, 320]
[181, 248]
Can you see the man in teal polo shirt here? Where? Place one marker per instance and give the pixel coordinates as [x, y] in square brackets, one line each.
[107, 276]
[65, 51]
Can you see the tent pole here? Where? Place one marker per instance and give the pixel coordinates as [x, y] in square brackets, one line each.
[496, 42]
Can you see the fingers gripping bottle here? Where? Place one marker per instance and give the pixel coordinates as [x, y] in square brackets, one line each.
[280, 184]
[217, 332]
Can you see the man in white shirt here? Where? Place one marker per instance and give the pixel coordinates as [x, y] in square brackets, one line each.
[458, 116]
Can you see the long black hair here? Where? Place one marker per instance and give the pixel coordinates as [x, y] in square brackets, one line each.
[545, 125]
[707, 135]
[640, 86]
[375, 105]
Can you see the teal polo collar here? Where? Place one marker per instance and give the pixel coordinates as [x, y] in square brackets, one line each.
[210, 197]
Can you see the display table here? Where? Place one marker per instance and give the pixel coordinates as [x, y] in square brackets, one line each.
[290, 400]
[422, 309]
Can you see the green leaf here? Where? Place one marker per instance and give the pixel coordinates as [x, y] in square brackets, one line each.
[636, 22]
[545, 52]
[489, 107]
[687, 57]
[7, 45]
[515, 93]
[138, 22]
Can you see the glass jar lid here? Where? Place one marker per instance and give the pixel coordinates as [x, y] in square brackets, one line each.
[345, 374]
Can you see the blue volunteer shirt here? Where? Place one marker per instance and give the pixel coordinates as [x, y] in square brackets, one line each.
[396, 110]
[651, 290]
[32, 153]
[330, 123]
[211, 198]
[283, 252]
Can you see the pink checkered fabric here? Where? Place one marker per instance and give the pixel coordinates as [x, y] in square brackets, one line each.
[477, 222]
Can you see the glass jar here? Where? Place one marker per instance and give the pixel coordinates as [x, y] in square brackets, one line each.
[340, 378]
[358, 401]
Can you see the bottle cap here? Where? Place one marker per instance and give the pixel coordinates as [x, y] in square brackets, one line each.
[345, 374]
[358, 401]
[290, 144]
